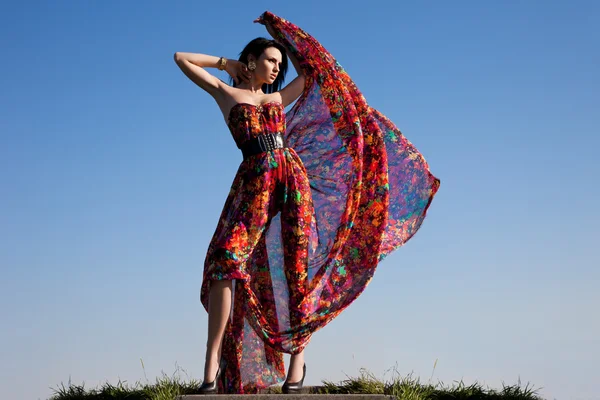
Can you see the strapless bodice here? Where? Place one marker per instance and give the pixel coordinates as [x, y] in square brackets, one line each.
[247, 121]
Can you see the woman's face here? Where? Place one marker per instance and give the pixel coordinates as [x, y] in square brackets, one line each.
[268, 65]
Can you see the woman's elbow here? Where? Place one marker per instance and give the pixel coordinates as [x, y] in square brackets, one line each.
[178, 57]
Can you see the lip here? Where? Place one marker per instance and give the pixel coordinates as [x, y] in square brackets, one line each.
[273, 76]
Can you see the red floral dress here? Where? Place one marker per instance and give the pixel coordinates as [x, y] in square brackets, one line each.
[304, 228]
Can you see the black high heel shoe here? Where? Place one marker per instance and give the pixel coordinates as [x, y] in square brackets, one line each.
[294, 387]
[211, 387]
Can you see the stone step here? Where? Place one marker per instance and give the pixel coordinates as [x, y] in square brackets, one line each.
[286, 397]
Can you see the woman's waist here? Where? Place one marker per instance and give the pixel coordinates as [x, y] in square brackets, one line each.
[262, 143]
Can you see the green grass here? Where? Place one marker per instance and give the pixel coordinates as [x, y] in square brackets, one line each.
[403, 388]
[410, 388]
[165, 388]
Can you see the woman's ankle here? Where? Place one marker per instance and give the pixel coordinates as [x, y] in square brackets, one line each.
[210, 369]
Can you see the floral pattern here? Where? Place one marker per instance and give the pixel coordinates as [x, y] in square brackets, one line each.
[304, 228]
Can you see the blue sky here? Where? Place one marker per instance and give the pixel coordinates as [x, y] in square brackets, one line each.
[114, 168]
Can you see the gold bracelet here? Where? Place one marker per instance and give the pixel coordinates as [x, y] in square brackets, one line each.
[222, 63]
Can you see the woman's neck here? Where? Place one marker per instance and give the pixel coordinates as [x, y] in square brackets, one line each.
[252, 86]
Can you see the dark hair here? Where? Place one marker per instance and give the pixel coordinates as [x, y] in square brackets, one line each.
[256, 48]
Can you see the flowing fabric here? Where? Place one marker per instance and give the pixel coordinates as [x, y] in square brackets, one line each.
[303, 229]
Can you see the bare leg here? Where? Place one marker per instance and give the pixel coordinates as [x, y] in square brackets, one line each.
[296, 231]
[219, 307]
[295, 369]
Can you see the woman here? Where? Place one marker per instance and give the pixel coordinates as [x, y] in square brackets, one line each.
[322, 195]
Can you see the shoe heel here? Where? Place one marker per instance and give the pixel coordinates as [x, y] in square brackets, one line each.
[211, 387]
[294, 387]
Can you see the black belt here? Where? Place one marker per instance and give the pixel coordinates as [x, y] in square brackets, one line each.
[262, 143]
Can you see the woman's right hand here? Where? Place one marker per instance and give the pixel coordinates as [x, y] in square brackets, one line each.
[238, 71]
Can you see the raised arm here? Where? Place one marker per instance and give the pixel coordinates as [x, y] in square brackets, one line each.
[295, 88]
[193, 66]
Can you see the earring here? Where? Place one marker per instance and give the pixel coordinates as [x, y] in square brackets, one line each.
[251, 65]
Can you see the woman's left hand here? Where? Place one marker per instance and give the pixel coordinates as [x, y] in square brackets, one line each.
[261, 20]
